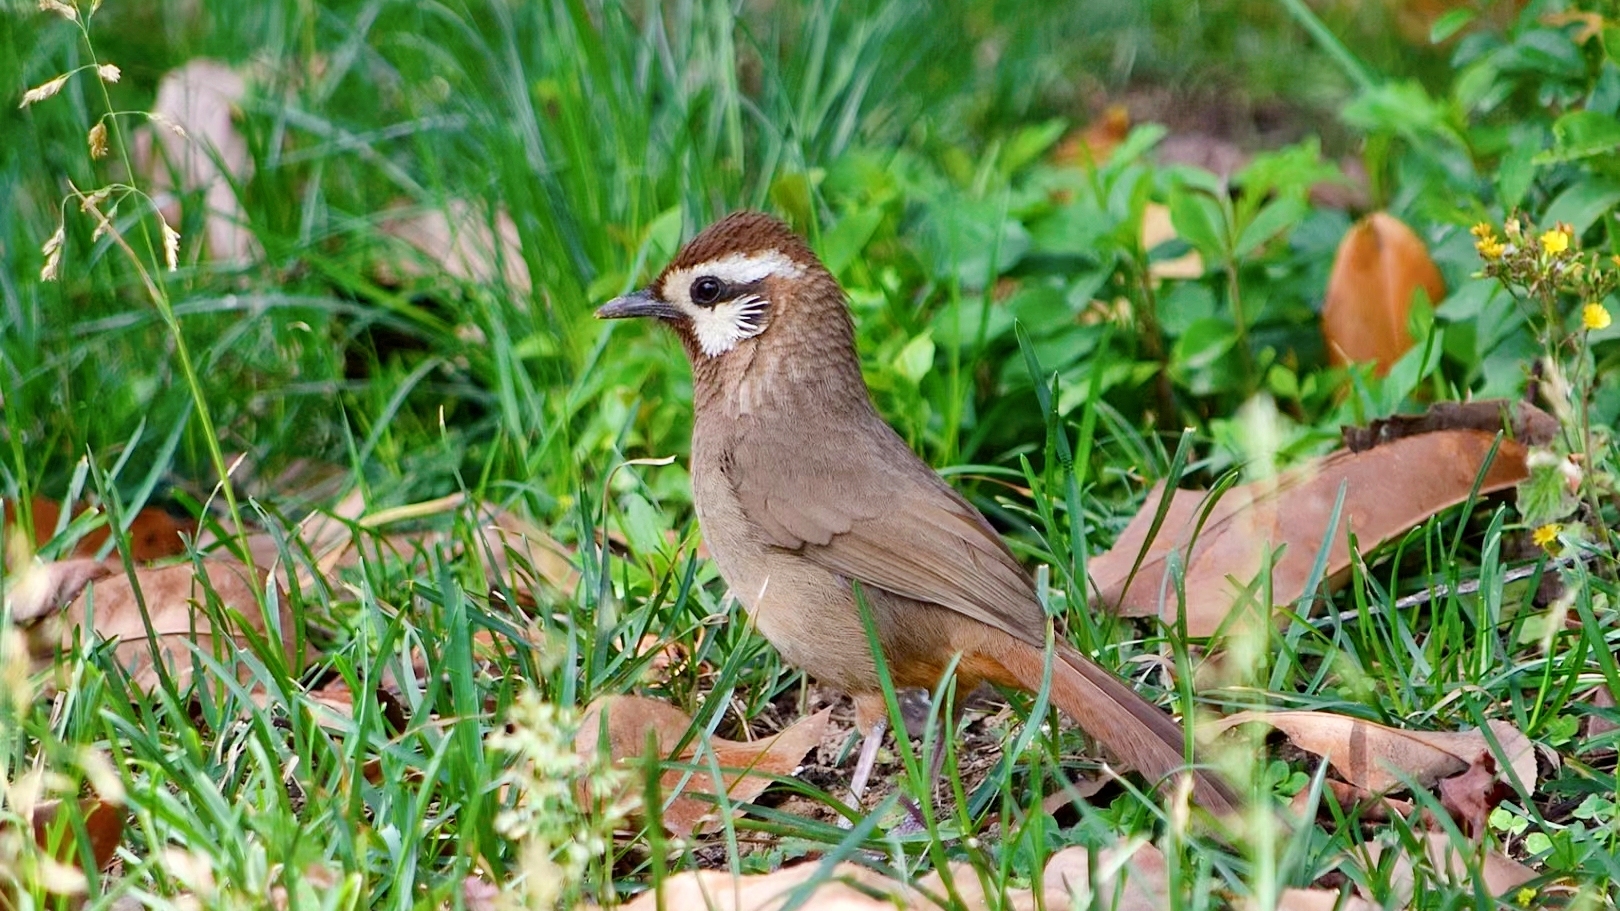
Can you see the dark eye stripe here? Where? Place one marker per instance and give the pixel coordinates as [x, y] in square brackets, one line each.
[726, 292]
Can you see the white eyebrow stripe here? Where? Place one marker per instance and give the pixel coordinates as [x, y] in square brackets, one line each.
[747, 268]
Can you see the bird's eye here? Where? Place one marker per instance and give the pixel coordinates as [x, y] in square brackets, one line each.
[706, 290]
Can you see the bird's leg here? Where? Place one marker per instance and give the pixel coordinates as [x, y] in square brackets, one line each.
[868, 758]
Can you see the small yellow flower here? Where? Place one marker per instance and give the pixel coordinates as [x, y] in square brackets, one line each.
[1490, 248]
[1595, 316]
[1555, 241]
[1482, 230]
[1546, 536]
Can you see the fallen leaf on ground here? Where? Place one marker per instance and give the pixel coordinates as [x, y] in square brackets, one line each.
[1374, 757]
[1349, 798]
[747, 767]
[1380, 263]
[60, 871]
[1601, 723]
[109, 609]
[1524, 422]
[103, 822]
[1387, 490]
[1471, 795]
[1135, 871]
[518, 554]
[153, 533]
[201, 152]
[1499, 873]
[43, 589]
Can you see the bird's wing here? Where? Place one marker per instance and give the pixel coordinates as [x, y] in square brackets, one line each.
[864, 506]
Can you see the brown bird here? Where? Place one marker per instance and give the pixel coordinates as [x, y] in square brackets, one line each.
[801, 488]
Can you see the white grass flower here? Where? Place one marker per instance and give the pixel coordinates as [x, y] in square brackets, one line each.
[163, 120]
[44, 90]
[171, 245]
[109, 72]
[53, 255]
[57, 6]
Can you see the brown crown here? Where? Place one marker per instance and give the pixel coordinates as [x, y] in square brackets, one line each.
[743, 232]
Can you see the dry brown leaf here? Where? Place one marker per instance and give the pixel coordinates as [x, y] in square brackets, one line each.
[1380, 263]
[1501, 874]
[458, 240]
[108, 609]
[1092, 145]
[1596, 725]
[1133, 871]
[1524, 421]
[153, 533]
[516, 551]
[846, 886]
[103, 823]
[748, 767]
[1349, 798]
[1388, 489]
[1134, 878]
[43, 589]
[1374, 757]
[1471, 795]
[204, 155]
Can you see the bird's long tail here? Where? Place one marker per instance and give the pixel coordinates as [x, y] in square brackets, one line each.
[1137, 731]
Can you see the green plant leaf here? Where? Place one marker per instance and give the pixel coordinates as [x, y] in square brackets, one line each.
[1581, 134]
[1276, 217]
[1582, 203]
[844, 241]
[1200, 221]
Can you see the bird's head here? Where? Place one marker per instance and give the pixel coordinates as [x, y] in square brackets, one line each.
[745, 278]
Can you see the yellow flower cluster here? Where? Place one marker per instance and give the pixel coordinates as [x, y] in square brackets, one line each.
[1486, 241]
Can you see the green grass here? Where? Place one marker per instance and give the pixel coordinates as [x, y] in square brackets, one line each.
[1009, 329]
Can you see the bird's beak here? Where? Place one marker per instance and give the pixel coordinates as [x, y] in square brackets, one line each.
[637, 303]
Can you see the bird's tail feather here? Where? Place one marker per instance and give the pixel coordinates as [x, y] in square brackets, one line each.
[1137, 731]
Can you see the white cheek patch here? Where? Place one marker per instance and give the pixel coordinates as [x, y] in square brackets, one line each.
[719, 328]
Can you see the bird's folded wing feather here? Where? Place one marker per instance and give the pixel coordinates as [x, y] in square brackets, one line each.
[880, 516]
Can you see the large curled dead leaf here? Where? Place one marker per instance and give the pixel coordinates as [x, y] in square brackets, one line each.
[1387, 490]
[110, 609]
[1133, 872]
[1380, 263]
[747, 768]
[1376, 758]
[202, 152]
